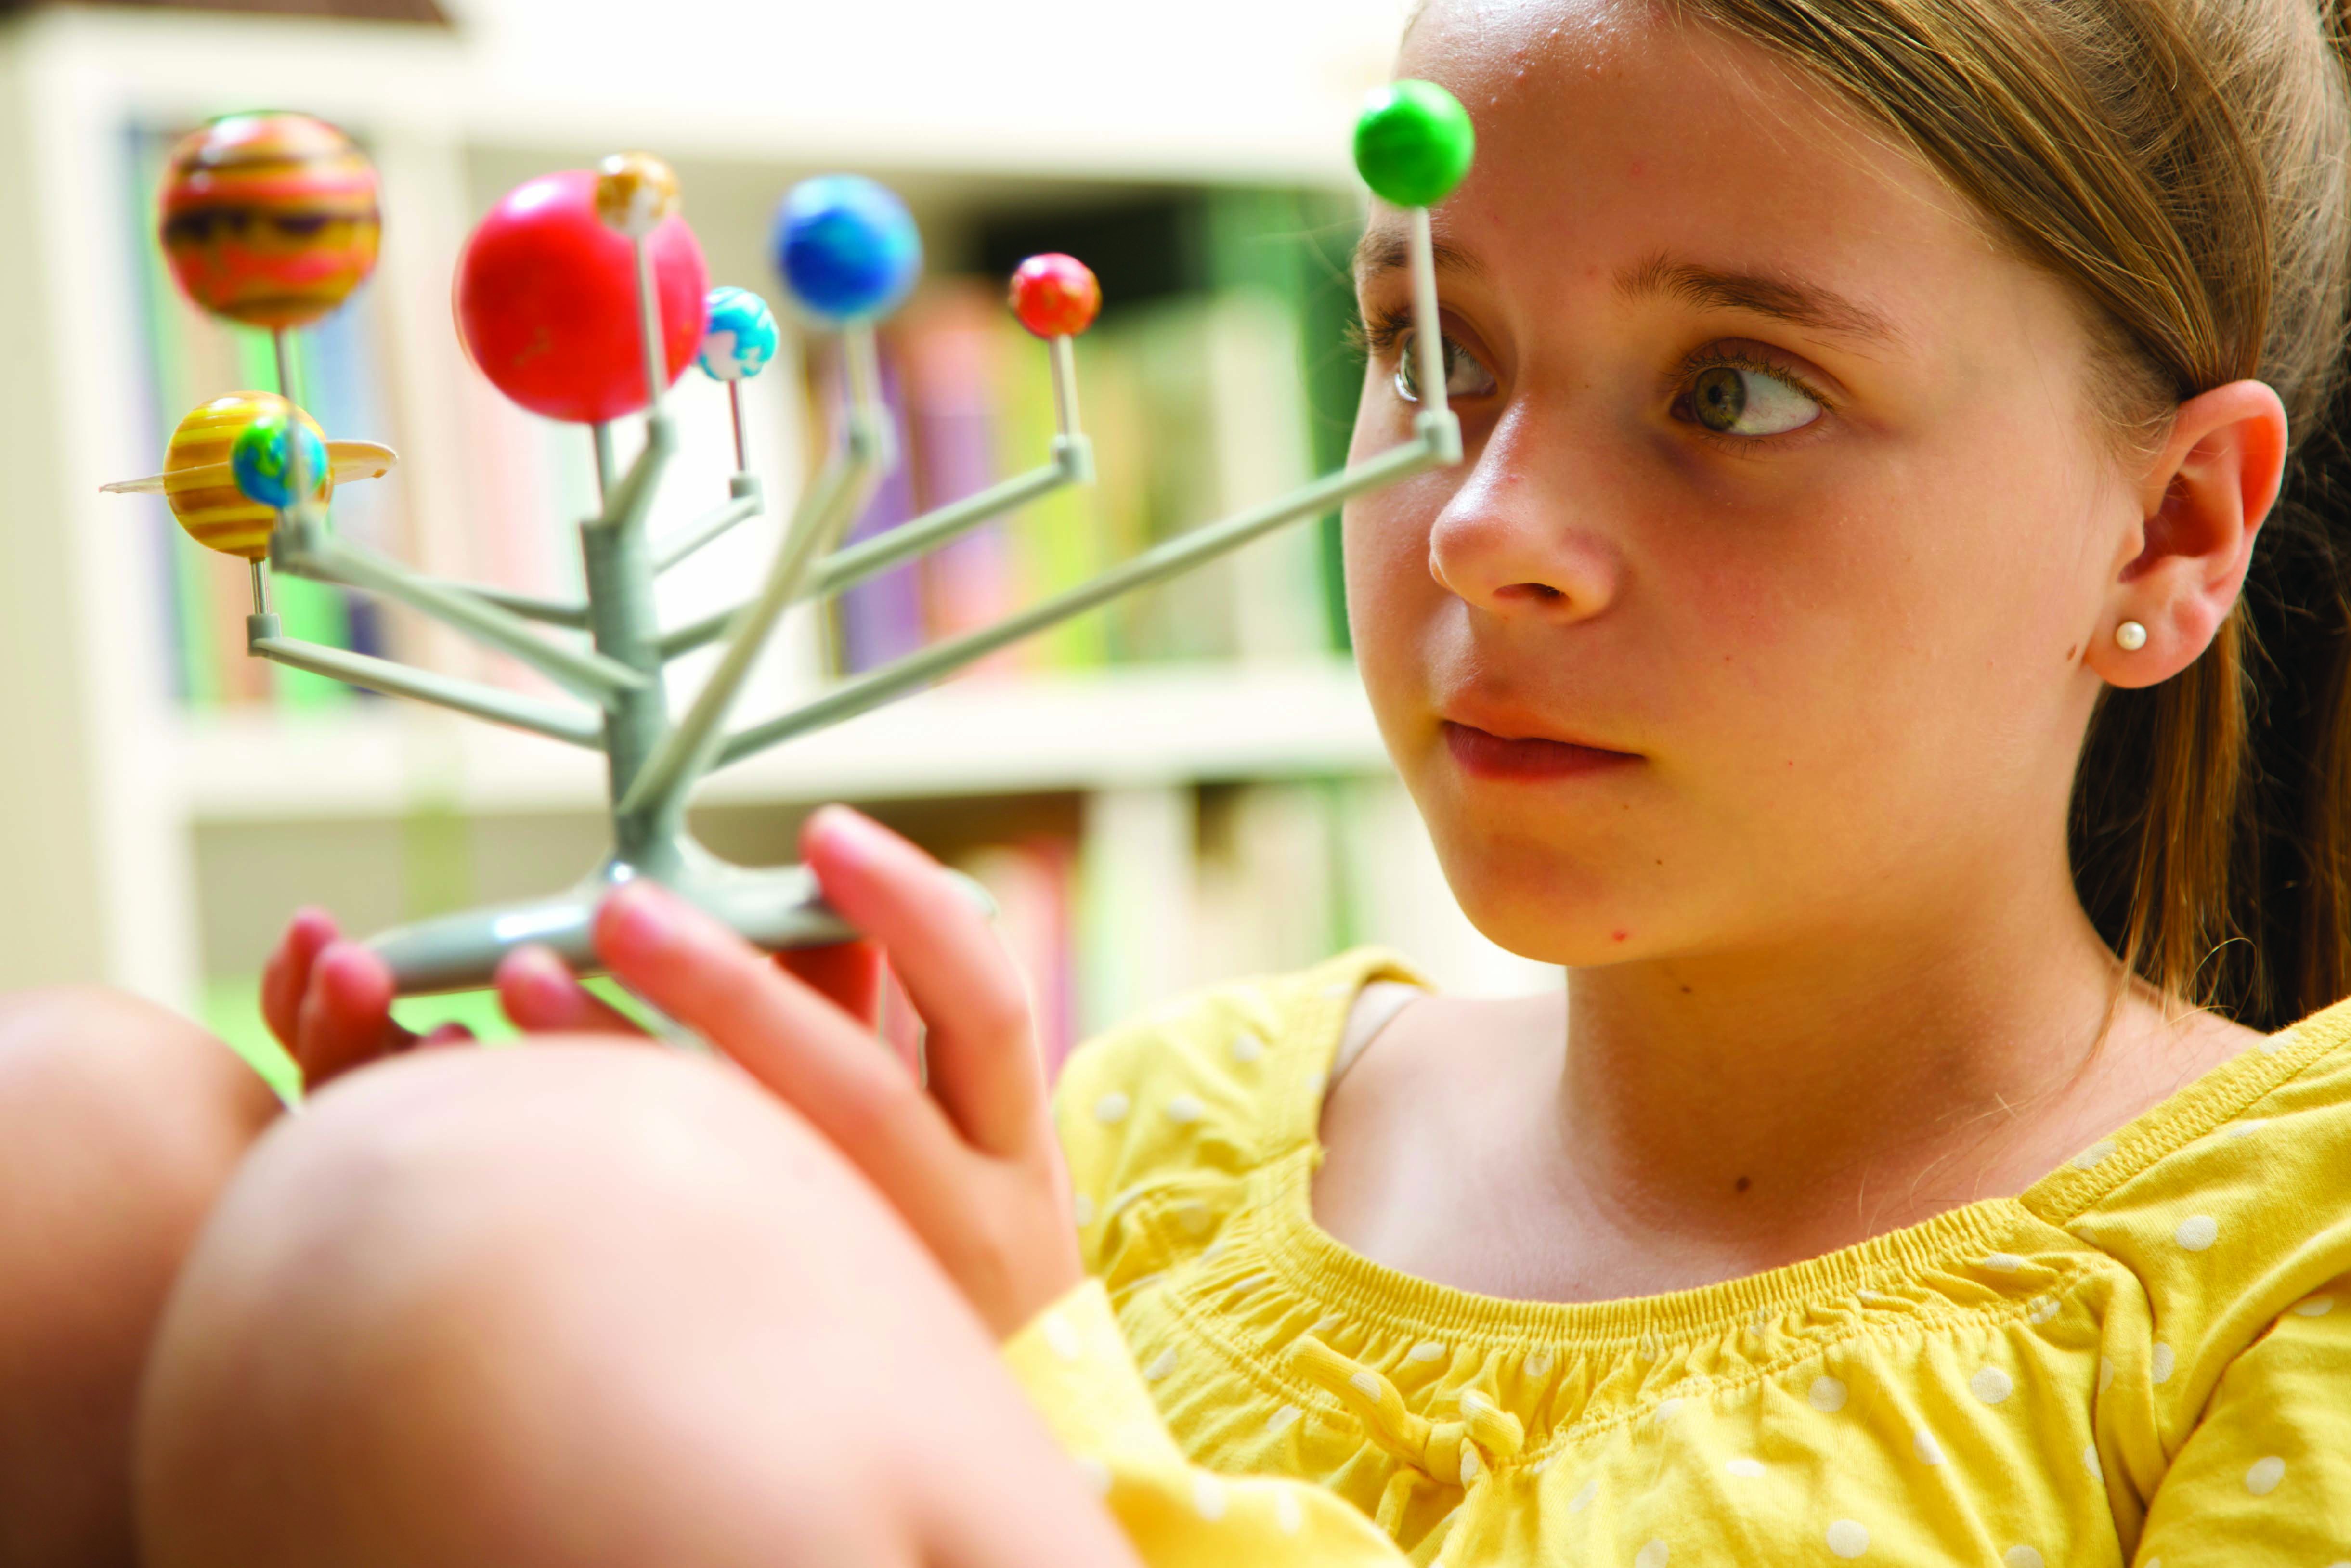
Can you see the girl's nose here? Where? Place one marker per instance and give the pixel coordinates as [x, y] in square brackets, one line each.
[1510, 542]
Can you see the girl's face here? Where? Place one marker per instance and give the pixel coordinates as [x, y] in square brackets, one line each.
[1783, 503]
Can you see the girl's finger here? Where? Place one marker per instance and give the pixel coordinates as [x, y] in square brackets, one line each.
[846, 974]
[285, 978]
[803, 1047]
[542, 994]
[346, 1015]
[977, 1042]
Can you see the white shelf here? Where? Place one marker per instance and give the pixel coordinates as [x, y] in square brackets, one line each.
[1111, 729]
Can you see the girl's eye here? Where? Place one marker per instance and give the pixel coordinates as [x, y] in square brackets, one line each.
[1463, 376]
[1741, 400]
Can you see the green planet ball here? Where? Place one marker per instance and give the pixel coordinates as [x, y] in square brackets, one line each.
[1414, 144]
[265, 454]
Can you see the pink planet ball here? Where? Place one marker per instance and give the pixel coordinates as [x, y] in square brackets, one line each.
[547, 301]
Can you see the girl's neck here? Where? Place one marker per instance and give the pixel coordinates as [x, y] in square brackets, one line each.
[1682, 1122]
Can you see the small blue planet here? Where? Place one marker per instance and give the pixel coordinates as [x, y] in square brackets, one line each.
[265, 454]
[847, 247]
[741, 337]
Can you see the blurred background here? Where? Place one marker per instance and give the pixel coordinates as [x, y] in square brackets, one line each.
[1184, 788]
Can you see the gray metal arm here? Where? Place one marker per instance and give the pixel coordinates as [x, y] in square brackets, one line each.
[303, 547]
[747, 502]
[840, 493]
[1073, 464]
[578, 726]
[569, 613]
[1438, 442]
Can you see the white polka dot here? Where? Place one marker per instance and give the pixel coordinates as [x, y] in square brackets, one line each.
[1248, 1047]
[1472, 1402]
[1207, 1497]
[1992, 1386]
[2314, 1306]
[1538, 1363]
[1160, 1365]
[1584, 1496]
[2042, 1309]
[1653, 1555]
[1062, 1335]
[1326, 1323]
[1096, 1473]
[1213, 1250]
[2003, 1262]
[1315, 1085]
[2023, 1557]
[2263, 1477]
[1338, 988]
[1242, 1288]
[2197, 1232]
[1185, 1108]
[1365, 1383]
[1847, 1538]
[2105, 1374]
[1826, 1395]
[2160, 1364]
[1752, 1470]
[1118, 1204]
[1193, 1216]
[1668, 1410]
[1144, 1282]
[2273, 1044]
[1082, 1208]
[1427, 1350]
[2248, 1127]
[1112, 1107]
[1468, 1464]
[2090, 1156]
[1287, 1513]
[1540, 1466]
[1282, 1418]
[1929, 1451]
[2090, 1462]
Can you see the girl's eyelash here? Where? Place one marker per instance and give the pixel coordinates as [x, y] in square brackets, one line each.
[1380, 331]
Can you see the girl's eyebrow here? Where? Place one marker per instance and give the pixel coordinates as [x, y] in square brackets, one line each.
[1389, 250]
[1803, 305]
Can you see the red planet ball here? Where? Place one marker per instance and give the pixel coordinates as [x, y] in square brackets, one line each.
[547, 301]
[1055, 296]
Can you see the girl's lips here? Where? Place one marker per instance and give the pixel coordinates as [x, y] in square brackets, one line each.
[1487, 756]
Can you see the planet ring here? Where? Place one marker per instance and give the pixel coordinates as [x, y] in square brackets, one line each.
[346, 460]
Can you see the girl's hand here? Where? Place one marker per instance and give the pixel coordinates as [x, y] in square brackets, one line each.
[328, 1002]
[971, 1163]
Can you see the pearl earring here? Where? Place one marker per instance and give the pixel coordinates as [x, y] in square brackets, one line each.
[2130, 636]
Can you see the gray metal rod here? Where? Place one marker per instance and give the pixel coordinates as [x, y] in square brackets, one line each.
[590, 675]
[847, 567]
[1179, 554]
[531, 607]
[692, 536]
[580, 727]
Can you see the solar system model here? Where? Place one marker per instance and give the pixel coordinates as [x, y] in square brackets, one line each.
[583, 296]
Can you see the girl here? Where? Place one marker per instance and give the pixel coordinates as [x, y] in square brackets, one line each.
[1835, 650]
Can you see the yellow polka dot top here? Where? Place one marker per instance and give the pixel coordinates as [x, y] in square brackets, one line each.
[2145, 1359]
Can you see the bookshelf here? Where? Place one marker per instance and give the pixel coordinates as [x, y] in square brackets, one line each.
[137, 822]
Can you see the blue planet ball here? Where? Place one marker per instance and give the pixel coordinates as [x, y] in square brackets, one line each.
[741, 337]
[263, 457]
[848, 247]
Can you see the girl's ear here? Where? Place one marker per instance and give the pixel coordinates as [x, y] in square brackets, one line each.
[2203, 499]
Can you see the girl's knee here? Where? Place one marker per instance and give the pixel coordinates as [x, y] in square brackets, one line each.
[472, 1293]
[122, 1123]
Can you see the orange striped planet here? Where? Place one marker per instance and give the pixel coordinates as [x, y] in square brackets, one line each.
[269, 219]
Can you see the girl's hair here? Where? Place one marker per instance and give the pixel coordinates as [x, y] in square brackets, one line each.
[2186, 166]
